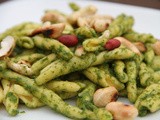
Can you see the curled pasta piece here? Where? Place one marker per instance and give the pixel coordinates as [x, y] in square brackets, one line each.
[22, 64]
[53, 45]
[11, 100]
[41, 63]
[21, 67]
[28, 99]
[137, 37]
[1, 94]
[62, 67]
[148, 101]
[144, 74]
[63, 86]
[119, 67]
[111, 79]
[85, 32]
[155, 65]
[120, 53]
[30, 57]
[25, 42]
[96, 75]
[120, 25]
[67, 95]
[48, 97]
[149, 55]
[132, 83]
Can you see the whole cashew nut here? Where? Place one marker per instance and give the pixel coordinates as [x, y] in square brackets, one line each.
[121, 111]
[105, 95]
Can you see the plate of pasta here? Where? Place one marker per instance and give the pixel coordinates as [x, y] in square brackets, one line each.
[79, 60]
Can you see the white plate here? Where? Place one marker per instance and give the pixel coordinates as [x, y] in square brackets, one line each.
[17, 11]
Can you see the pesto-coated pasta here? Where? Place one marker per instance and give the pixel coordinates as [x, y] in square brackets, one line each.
[63, 86]
[10, 100]
[25, 42]
[41, 63]
[74, 6]
[71, 57]
[67, 95]
[119, 67]
[3, 64]
[54, 46]
[111, 80]
[135, 37]
[132, 83]
[149, 55]
[144, 74]
[94, 44]
[28, 57]
[96, 75]
[151, 103]
[120, 25]
[47, 96]
[85, 32]
[1, 94]
[116, 54]
[145, 103]
[28, 99]
[155, 78]
[119, 53]
[155, 65]
[62, 67]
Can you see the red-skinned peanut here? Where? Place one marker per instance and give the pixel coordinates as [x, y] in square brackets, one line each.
[68, 40]
[112, 44]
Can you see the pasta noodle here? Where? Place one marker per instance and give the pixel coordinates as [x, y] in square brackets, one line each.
[39, 70]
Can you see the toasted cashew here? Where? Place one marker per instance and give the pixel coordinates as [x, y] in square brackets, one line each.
[156, 47]
[141, 47]
[101, 25]
[22, 67]
[53, 16]
[79, 51]
[128, 44]
[99, 22]
[86, 11]
[105, 95]
[121, 111]
[52, 31]
[81, 21]
[7, 46]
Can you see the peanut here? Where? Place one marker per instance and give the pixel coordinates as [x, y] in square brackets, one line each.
[112, 44]
[68, 40]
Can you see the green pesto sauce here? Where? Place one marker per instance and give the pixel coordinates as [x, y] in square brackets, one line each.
[12, 97]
